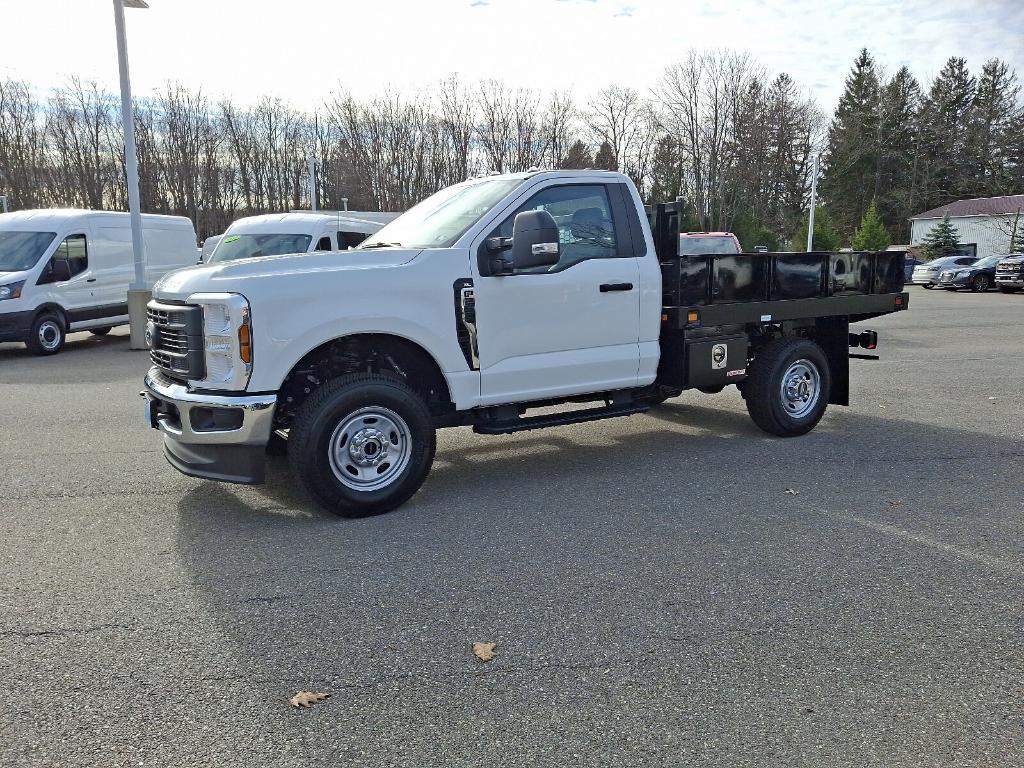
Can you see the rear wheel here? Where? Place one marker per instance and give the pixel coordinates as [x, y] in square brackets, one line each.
[362, 444]
[100, 331]
[980, 284]
[789, 386]
[47, 335]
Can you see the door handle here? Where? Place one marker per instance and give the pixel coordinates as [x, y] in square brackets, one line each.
[91, 280]
[607, 287]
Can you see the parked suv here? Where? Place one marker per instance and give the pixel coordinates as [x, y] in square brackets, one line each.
[1010, 273]
[979, 276]
[927, 274]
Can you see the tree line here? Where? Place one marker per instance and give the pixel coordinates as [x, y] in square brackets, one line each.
[735, 142]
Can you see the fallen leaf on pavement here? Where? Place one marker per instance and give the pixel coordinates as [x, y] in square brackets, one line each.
[484, 651]
[306, 699]
[792, 491]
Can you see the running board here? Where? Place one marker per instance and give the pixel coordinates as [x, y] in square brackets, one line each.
[557, 419]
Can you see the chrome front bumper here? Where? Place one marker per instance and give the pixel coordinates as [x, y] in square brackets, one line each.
[218, 437]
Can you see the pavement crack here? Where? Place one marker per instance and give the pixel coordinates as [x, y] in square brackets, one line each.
[61, 630]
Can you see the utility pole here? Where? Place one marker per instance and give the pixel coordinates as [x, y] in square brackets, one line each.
[814, 195]
[312, 184]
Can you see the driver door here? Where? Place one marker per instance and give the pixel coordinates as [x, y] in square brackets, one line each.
[570, 328]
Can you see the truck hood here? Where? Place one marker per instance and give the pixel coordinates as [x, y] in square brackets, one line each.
[234, 276]
[12, 277]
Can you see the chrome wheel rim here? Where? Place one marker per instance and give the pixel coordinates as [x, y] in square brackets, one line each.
[370, 448]
[801, 388]
[49, 335]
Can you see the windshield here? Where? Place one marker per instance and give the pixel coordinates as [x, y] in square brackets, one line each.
[988, 261]
[233, 247]
[441, 219]
[697, 246]
[21, 250]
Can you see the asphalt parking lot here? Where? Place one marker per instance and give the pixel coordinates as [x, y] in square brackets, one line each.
[657, 596]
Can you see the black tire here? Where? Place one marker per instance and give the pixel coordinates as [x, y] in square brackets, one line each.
[928, 286]
[395, 420]
[981, 284]
[1008, 289]
[764, 391]
[47, 334]
[100, 331]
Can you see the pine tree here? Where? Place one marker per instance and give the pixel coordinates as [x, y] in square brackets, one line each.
[825, 237]
[898, 139]
[604, 160]
[577, 157]
[941, 240]
[850, 176]
[1017, 234]
[994, 112]
[666, 171]
[945, 119]
[871, 235]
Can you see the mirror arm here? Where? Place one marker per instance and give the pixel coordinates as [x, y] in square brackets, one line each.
[497, 244]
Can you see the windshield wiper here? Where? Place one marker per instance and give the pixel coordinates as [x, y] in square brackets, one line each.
[379, 245]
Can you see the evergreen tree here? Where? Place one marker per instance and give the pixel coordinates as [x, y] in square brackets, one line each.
[825, 237]
[871, 235]
[995, 115]
[577, 157]
[604, 160]
[898, 130]
[666, 171]
[941, 240]
[849, 178]
[945, 118]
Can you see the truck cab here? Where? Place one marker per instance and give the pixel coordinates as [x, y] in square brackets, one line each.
[488, 300]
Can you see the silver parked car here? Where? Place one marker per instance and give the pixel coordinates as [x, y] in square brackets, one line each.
[927, 274]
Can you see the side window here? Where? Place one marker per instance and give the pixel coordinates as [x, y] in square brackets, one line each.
[586, 227]
[75, 252]
[324, 244]
[351, 239]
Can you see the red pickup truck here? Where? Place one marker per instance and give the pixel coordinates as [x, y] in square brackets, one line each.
[701, 243]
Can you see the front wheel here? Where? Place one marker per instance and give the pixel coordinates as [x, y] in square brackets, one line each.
[980, 284]
[789, 386]
[362, 444]
[47, 335]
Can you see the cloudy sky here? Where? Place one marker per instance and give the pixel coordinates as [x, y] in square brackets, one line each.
[302, 49]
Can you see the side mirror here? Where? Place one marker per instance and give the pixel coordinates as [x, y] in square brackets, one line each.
[534, 240]
[60, 270]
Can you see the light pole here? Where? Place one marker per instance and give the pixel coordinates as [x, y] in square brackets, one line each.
[814, 194]
[138, 293]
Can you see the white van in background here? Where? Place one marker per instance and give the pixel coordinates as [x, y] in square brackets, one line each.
[69, 270]
[274, 234]
[208, 245]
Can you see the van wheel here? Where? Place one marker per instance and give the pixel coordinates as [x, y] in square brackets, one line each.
[100, 331]
[362, 444]
[789, 386]
[47, 335]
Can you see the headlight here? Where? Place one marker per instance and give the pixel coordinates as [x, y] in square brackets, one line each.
[963, 273]
[11, 290]
[227, 340]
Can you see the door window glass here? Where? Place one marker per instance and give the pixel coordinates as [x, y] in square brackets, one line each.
[75, 252]
[324, 244]
[586, 229]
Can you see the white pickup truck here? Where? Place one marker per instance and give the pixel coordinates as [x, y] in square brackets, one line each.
[492, 297]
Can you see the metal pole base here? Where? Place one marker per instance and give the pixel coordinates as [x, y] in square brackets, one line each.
[137, 301]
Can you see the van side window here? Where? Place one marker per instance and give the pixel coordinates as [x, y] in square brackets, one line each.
[75, 252]
[351, 239]
[324, 244]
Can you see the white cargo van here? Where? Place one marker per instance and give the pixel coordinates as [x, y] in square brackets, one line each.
[275, 234]
[69, 270]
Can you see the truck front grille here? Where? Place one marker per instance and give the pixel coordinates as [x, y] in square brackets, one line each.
[176, 340]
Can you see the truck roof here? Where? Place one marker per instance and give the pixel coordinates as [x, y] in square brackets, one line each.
[47, 219]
